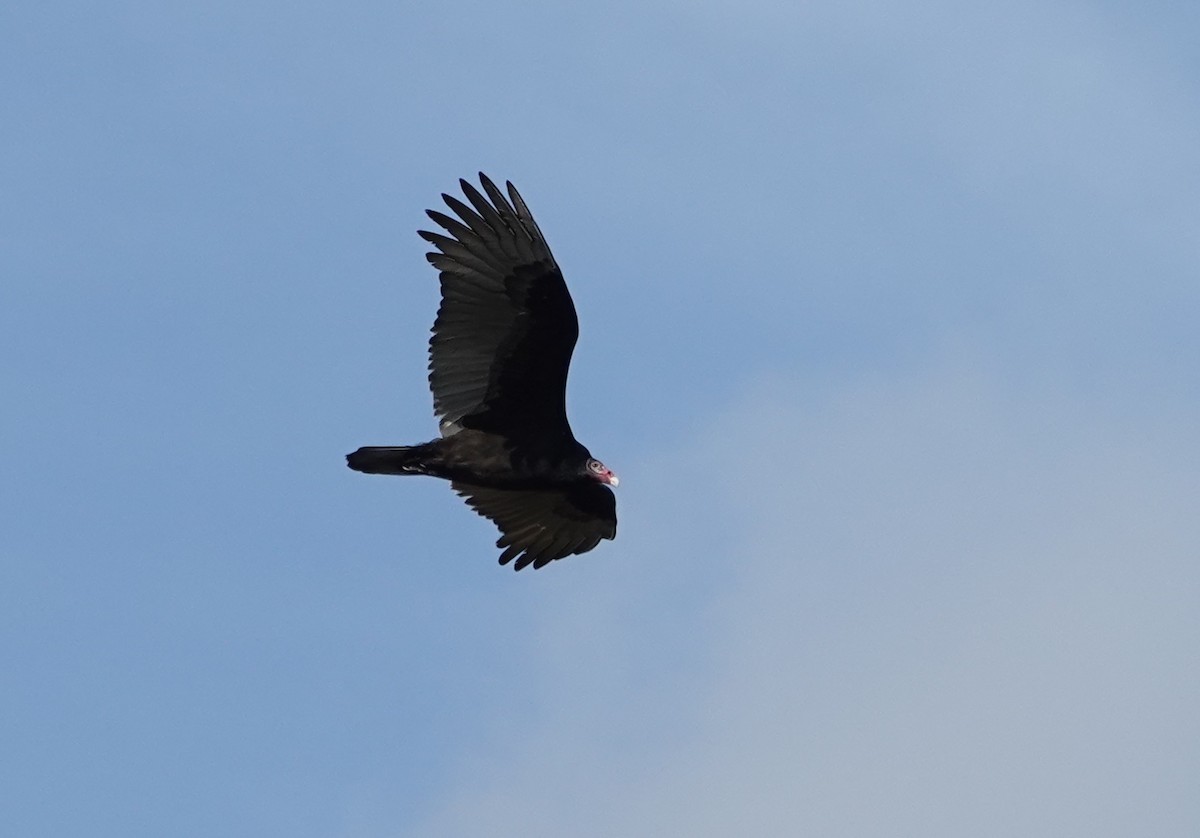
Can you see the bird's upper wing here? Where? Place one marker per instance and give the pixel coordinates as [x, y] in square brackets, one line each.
[541, 525]
[504, 333]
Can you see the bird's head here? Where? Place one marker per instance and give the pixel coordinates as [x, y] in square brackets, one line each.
[600, 472]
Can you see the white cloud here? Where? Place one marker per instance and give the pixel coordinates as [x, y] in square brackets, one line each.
[945, 610]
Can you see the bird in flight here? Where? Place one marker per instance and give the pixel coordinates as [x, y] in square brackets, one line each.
[498, 361]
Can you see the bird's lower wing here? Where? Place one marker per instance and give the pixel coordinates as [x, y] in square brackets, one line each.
[541, 525]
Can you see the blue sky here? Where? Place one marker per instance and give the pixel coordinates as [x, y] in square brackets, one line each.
[888, 325]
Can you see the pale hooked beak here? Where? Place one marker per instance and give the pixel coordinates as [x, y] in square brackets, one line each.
[612, 479]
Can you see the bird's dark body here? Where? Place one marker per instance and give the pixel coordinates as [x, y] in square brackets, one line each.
[476, 457]
[498, 362]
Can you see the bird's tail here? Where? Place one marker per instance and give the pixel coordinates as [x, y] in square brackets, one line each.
[392, 459]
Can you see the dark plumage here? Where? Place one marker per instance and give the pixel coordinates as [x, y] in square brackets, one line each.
[498, 362]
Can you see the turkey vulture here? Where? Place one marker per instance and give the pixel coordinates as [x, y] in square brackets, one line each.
[498, 362]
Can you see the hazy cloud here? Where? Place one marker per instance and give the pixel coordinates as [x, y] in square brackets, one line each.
[947, 611]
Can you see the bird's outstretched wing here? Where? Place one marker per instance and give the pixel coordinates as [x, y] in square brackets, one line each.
[541, 525]
[504, 333]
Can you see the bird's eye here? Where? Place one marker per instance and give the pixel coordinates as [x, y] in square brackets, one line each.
[595, 466]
